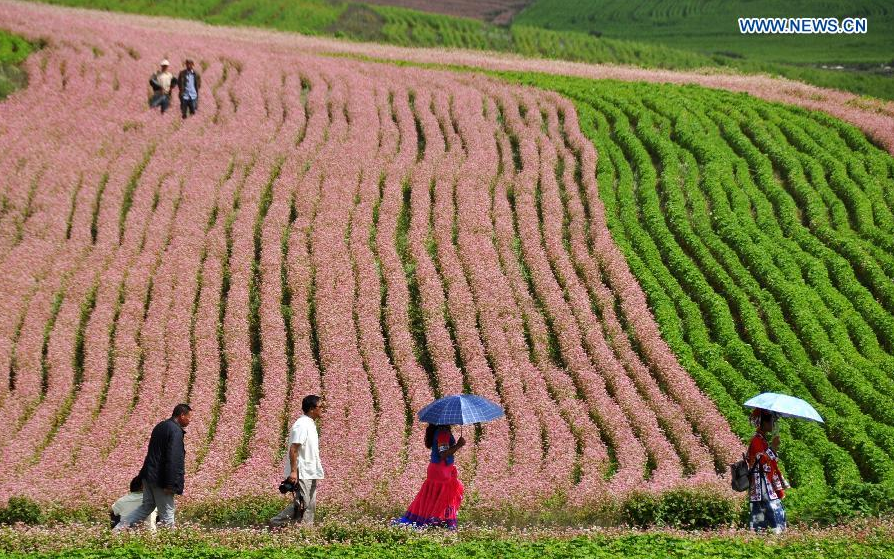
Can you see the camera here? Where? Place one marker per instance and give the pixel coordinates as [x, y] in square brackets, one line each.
[288, 486]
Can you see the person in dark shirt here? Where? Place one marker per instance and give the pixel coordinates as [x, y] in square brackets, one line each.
[189, 82]
[163, 470]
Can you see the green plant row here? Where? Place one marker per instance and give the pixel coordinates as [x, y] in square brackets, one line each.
[345, 541]
[83, 533]
[13, 51]
[687, 508]
[642, 546]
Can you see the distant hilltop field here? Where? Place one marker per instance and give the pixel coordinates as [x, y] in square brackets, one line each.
[665, 34]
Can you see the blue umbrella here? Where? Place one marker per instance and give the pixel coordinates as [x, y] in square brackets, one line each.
[460, 409]
[784, 406]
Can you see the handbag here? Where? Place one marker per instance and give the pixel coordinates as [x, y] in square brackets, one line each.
[740, 474]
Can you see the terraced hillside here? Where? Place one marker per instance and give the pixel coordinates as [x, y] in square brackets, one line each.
[619, 264]
[380, 235]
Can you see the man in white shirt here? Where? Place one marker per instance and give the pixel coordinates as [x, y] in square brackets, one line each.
[161, 83]
[302, 464]
[131, 502]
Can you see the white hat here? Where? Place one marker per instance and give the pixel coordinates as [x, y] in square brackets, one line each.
[165, 62]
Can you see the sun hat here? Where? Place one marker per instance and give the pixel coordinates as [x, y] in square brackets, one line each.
[165, 62]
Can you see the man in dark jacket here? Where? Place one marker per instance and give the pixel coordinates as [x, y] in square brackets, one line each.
[163, 470]
[189, 82]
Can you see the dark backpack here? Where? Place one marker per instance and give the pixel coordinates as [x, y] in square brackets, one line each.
[740, 474]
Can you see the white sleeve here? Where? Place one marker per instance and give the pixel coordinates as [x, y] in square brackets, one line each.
[298, 434]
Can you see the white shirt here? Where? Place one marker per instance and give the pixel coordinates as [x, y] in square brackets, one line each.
[304, 433]
[129, 503]
[164, 79]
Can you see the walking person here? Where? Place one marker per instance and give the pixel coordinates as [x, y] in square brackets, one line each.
[302, 464]
[767, 487]
[189, 82]
[163, 470]
[438, 500]
[130, 502]
[161, 82]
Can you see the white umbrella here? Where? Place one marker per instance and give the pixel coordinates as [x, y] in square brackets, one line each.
[784, 406]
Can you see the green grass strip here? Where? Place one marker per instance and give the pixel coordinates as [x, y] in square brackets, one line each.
[627, 546]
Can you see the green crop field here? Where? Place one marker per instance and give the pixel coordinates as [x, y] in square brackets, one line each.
[763, 236]
[570, 36]
[711, 27]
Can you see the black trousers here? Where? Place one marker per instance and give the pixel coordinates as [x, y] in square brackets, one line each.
[190, 105]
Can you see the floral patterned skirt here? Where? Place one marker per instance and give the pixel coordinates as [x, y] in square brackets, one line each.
[768, 515]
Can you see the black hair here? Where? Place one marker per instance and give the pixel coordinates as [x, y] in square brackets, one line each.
[136, 485]
[766, 416]
[310, 402]
[181, 409]
[430, 434]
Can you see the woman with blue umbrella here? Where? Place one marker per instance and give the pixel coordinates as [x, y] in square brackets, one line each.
[438, 501]
[767, 484]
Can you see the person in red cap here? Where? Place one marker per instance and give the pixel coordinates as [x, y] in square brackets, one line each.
[161, 83]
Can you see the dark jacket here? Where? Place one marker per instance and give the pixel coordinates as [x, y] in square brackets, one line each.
[165, 461]
[181, 82]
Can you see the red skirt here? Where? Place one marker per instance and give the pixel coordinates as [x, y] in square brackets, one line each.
[438, 500]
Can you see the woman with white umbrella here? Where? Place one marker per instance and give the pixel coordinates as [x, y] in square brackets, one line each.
[767, 484]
